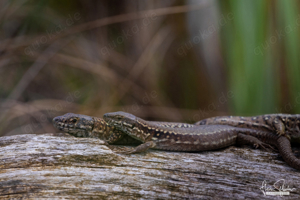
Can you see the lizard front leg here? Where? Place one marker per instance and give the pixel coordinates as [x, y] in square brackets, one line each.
[141, 148]
[280, 129]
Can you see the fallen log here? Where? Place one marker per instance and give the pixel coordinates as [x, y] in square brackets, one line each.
[60, 166]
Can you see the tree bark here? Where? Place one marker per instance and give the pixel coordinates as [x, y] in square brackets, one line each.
[55, 166]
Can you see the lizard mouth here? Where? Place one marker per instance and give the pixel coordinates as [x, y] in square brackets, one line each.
[68, 128]
[62, 126]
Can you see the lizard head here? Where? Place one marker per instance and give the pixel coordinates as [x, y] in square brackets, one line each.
[74, 124]
[121, 120]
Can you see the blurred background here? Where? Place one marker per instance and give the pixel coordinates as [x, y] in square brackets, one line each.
[160, 60]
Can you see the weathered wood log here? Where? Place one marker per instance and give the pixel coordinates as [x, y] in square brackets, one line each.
[51, 166]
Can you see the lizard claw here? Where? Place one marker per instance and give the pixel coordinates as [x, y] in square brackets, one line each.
[265, 146]
[279, 133]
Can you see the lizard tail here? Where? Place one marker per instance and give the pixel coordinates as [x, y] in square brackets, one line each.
[286, 152]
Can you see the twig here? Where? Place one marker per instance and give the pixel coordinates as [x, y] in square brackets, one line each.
[140, 64]
[31, 73]
[117, 19]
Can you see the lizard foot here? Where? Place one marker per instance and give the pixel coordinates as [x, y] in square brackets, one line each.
[141, 148]
[248, 139]
[265, 146]
[280, 133]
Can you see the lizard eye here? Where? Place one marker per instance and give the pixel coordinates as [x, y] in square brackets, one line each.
[73, 120]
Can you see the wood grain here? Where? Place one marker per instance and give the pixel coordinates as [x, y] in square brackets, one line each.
[55, 166]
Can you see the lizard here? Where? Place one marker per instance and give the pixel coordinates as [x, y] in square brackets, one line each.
[281, 124]
[196, 138]
[80, 125]
[94, 127]
[86, 126]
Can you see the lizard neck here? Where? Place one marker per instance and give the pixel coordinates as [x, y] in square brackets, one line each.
[101, 129]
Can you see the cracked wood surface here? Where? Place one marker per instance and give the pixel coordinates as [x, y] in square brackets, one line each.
[55, 166]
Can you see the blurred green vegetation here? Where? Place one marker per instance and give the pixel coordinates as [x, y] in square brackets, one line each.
[261, 52]
[161, 60]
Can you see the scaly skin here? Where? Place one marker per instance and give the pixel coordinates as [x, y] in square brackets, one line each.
[94, 127]
[85, 126]
[285, 150]
[281, 124]
[198, 138]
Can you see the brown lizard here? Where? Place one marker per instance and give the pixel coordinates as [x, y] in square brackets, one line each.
[198, 138]
[86, 126]
[281, 124]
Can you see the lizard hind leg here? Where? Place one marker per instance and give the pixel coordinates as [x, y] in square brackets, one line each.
[141, 148]
[248, 139]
